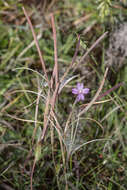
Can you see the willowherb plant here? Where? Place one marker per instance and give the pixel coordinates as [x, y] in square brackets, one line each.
[51, 119]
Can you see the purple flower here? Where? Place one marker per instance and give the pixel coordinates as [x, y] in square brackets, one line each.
[80, 91]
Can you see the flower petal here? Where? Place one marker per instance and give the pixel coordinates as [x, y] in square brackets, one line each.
[79, 86]
[80, 97]
[74, 91]
[85, 90]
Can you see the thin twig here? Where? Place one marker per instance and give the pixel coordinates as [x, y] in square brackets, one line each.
[55, 70]
[55, 74]
[46, 113]
[73, 60]
[24, 120]
[37, 45]
[31, 176]
[110, 90]
[93, 46]
[90, 49]
[29, 46]
[36, 111]
[95, 140]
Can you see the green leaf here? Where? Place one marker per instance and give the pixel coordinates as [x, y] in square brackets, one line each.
[38, 152]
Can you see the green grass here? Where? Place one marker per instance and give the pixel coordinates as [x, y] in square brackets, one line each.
[97, 165]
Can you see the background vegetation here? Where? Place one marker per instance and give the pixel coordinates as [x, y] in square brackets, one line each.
[68, 163]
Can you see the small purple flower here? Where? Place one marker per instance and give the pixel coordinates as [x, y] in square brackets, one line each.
[80, 91]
